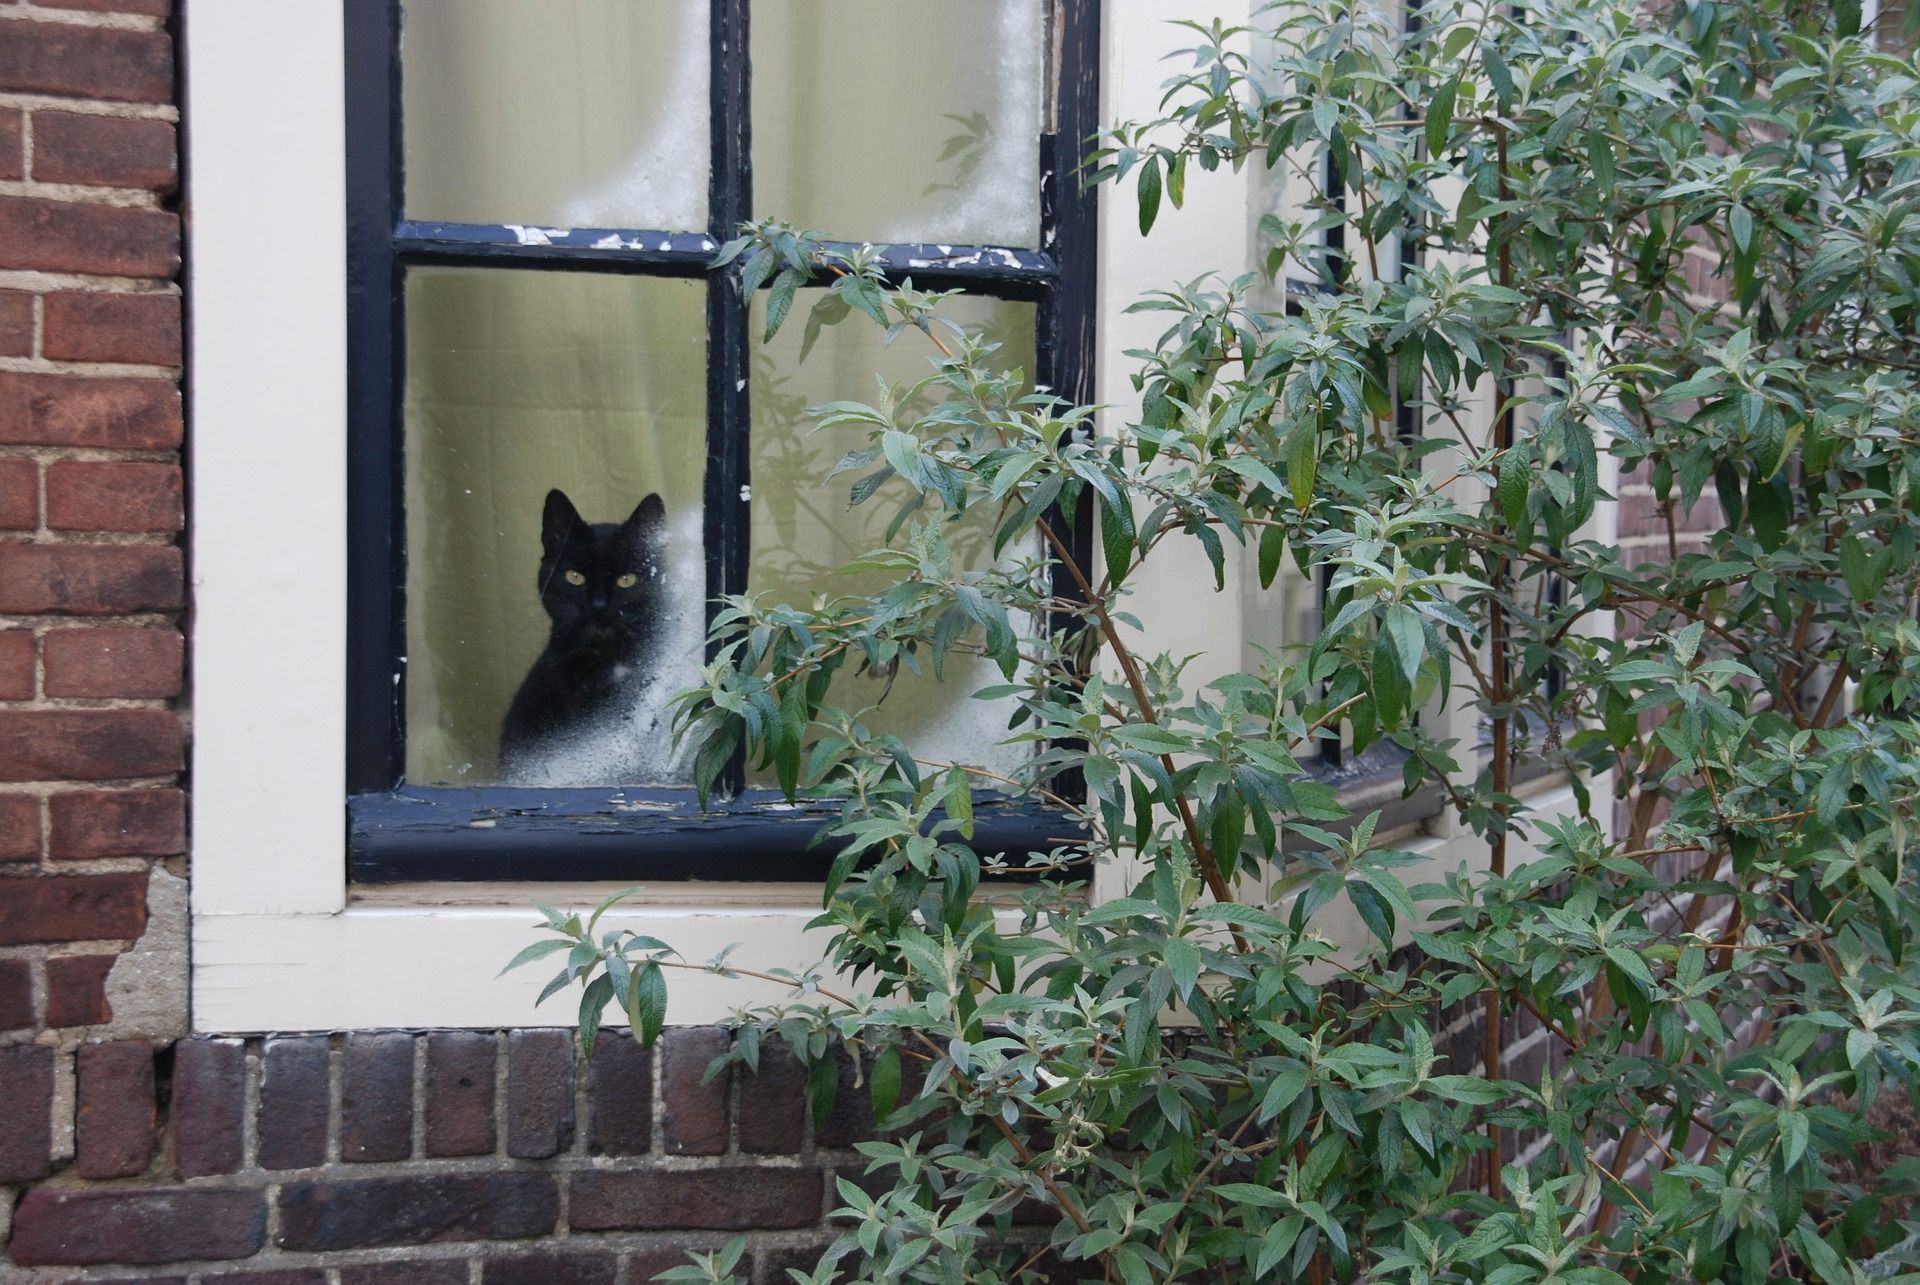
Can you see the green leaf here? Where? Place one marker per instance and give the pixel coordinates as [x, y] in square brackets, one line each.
[1390, 688]
[1276, 1242]
[1149, 194]
[1409, 639]
[1440, 117]
[1281, 1092]
[1183, 961]
[779, 300]
[649, 1002]
[1117, 536]
[883, 1082]
[539, 950]
[1516, 480]
[593, 1004]
[1273, 543]
[1303, 461]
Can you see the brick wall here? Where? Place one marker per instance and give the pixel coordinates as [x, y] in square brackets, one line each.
[395, 1158]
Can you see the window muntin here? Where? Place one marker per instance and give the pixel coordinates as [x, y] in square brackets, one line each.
[403, 823]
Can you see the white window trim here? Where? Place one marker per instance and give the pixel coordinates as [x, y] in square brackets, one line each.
[278, 941]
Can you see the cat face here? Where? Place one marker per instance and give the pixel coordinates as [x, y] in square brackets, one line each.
[600, 582]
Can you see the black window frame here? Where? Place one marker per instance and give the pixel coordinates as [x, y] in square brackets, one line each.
[397, 831]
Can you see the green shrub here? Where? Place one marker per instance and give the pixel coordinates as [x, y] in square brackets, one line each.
[1728, 977]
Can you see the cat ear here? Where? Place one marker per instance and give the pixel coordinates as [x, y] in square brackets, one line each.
[557, 521]
[648, 517]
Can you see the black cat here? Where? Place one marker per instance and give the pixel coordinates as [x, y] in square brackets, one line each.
[604, 587]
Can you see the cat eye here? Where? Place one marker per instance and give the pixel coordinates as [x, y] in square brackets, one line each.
[627, 581]
[575, 578]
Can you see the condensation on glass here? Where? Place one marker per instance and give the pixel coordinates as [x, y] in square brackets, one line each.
[804, 529]
[590, 113]
[519, 383]
[947, 152]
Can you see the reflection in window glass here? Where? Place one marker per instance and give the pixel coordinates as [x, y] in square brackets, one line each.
[589, 606]
[956, 158]
[804, 529]
[591, 113]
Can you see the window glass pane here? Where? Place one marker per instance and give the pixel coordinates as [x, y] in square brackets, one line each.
[591, 113]
[803, 527]
[947, 149]
[519, 383]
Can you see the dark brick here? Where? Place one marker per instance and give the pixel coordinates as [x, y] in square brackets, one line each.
[734, 1199]
[87, 62]
[16, 665]
[209, 1106]
[105, 151]
[16, 314]
[376, 1096]
[151, 8]
[293, 1103]
[77, 990]
[773, 1102]
[539, 1093]
[291, 1276]
[552, 1267]
[66, 236]
[851, 1119]
[117, 823]
[115, 1111]
[26, 1126]
[75, 908]
[114, 495]
[459, 1093]
[16, 994]
[93, 325]
[89, 744]
[114, 663]
[320, 1217]
[19, 495]
[694, 1115]
[620, 1097]
[440, 1272]
[11, 156]
[90, 579]
[79, 1228]
[69, 410]
[19, 827]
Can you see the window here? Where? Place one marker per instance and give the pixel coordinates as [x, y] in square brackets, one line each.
[536, 197]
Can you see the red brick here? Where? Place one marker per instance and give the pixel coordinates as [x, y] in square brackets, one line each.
[209, 1105]
[88, 495]
[114, 1109]
[90, 580]
[149, 8]
[19, 495]
[65, 236]
[72, 908]
[851, 1119]
[16, 994]
[733, 1199]
[16, 323]
[324, 1216]
[694, 1115]
[459, 1095]
[11, 156]
[773, 1102]
[552, 1267]
[293, 1103]
[105, 151]
[620, 1097]
[92, 325]
[167, 1225]
[539, 1093]
[67, 410]
[26, 1126]
[127, 663]
[87, 62]
[89, 744]
[77, 990]
[117, 823]
[16, 665]
[19, 827]
[376, 1096]
[444, 1271]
